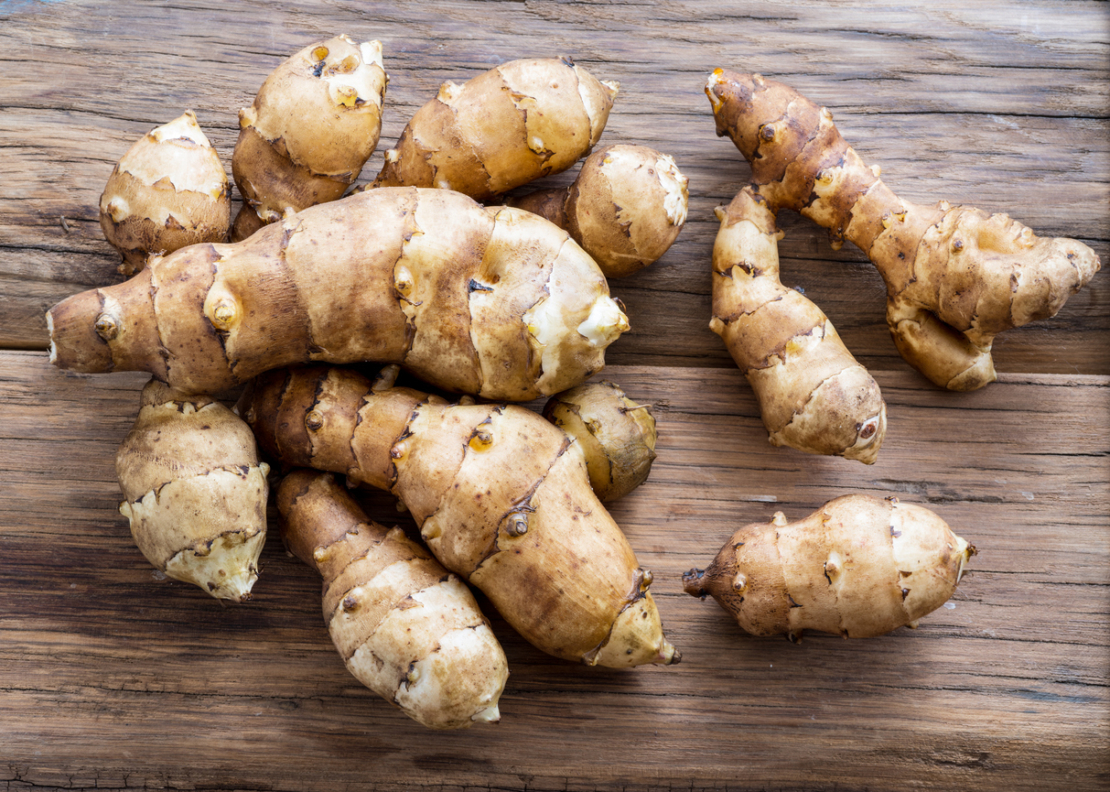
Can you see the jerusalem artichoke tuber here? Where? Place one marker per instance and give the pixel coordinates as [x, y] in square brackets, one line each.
[860, 566]
[168, 191]
[625, 208]
[489, 301]
[617, 435]
[956, 277]
[812, 393]
[501, 496]
[312, 126]
[517, 122]
[405, 627]
[194, 491]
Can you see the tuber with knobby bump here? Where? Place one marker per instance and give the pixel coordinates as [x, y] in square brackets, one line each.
[812, 393]
[859, 566]
[405, 627]
[314, 123]
[625, 208]
[489, 301]
[501, 496]
[194, 491]
[506, 127]
[168, 191]
[956, 277]
[616, 434]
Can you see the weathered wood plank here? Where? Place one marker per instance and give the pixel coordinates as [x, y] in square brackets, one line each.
[994, 104]
[134, 680]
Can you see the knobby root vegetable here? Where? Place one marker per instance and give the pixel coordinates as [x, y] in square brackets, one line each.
[812, 393]
[406, 628]
[860, 566]
[194, 491]
[502, 499]
[168, 191]
[625, 208]
[955, 276]
[517, 122]
[489, 301]
[616, 434]
[311, 128]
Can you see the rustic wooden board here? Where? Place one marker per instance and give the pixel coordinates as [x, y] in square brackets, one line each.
[996, 104]
[114, 676]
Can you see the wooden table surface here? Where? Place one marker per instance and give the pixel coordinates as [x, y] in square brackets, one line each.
[113, 677]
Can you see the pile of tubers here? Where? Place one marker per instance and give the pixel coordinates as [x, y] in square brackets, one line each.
[433, 269]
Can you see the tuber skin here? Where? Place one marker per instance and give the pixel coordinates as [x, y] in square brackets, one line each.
[506, 127]
[405, 627]
[625, 208]
[616, 434]
[489, 301]
[860, 566]
[812, 393]
[315, 121]
[194, 491]
[956, 277]
[168, 191]
[502, 499]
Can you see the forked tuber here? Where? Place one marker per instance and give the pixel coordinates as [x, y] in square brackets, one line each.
[488, 301]
[625, 208]
[617, 435]
[515, 123]
[405, 627]
[956, 277]
[812, 393]
[168, 191]
[860, 566]
[311, 128]
[194, 491]
[502, 499]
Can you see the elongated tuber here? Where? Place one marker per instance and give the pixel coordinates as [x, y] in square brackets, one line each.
[406, 628]
[506, 127]
[501, 496]
[956, 277]
[194, 491]
[168, 191]
[625, 208]
[311, 128]
[489, 301]
[812, 393]
[617, 435]
[860, 566]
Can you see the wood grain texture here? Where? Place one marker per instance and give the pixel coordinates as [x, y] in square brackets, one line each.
[996, 104]
[113, 676]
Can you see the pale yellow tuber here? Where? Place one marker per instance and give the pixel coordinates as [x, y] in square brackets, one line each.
[625, 208]
[194, 491]
[616, 434]
[506, 127]
[502, 499]
[860, 566]
[812, 393]
[405, 627]
[488, 301]
[168, 191]
[956, 277]
[314, 123]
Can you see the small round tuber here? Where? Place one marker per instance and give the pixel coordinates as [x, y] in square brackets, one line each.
[194, 491]
[626, 208]
[168, 191]
[616, 434]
